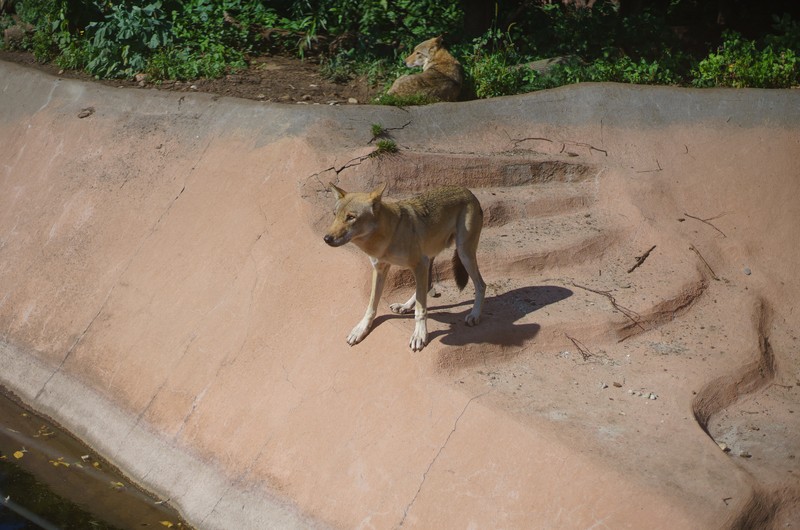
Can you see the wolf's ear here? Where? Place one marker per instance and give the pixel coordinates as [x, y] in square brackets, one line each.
[437, 41]
[337, 190]
[377, 193]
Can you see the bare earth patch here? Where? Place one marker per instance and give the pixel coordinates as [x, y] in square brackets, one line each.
[277, 78]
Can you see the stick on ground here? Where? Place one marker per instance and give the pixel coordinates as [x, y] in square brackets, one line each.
[640, 259]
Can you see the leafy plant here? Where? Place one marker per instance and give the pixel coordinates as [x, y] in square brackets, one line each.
[739, 63]
[121, 44]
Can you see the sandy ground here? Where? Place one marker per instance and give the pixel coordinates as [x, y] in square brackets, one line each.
[166, 295]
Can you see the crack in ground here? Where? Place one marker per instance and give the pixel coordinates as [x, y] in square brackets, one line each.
[436, 457]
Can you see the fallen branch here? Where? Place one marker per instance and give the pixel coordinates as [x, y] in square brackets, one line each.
[713, 275]
[632, 315]
[706, 221]
[640, 259]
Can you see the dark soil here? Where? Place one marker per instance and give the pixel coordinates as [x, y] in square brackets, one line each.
[274, 78]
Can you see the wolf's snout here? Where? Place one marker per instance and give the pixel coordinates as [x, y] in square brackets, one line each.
[335, 241]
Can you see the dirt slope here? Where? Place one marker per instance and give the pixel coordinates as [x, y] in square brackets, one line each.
[167, 296]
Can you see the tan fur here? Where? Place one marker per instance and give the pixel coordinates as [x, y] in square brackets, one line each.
[410, 233]
[441, 76]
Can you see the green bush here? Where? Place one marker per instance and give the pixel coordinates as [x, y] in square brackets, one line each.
[121, 44]
[493, 64]
[491, 76]
[739, 63]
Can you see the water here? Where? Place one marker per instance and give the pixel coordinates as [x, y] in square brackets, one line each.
[49, 479]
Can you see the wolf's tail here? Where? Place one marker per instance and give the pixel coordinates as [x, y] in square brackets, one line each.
[459, 272]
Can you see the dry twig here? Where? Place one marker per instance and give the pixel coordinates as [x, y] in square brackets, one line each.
[640, 259]
[583, 350]
[713, 274]
[632, 315]
[706, 221]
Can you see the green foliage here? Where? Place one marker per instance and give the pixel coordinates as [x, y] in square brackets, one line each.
[403, 101]
[122, 42]
[619, 70]
[491, 66]
[377, 26]
[739, 63]
[491, 76]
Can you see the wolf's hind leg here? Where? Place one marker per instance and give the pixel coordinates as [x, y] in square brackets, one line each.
[470, 263]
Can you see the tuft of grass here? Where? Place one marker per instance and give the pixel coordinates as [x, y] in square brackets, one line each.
[377, 130]
[384, 147]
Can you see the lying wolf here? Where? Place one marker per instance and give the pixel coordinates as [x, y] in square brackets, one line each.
[441, 75]
[410, 233]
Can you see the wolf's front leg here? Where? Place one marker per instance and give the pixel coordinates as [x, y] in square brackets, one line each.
[420, 336]
[379, 271]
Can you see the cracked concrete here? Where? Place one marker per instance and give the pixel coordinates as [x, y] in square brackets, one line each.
[214, 370]
[436, 457]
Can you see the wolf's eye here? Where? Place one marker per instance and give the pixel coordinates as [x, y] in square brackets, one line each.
[349, 217]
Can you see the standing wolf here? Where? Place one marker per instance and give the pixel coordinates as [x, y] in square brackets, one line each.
[441, 75]
[410, 233]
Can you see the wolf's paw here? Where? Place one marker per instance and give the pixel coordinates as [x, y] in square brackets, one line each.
[359, 332]
[472, 319]
[401, 309]
[417, 343]
[420, 337]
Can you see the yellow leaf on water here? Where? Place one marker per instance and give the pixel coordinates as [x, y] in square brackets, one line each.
[167, 524]
[18, 454]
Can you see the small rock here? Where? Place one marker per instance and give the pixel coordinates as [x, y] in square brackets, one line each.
[603, 386]
[747, 271]
[724, 446]
[653, 396]
[352, 101]
[140, 77]
[85, 113]
[617, 385]
[745, 454]
[306, 97]
[193, 87]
